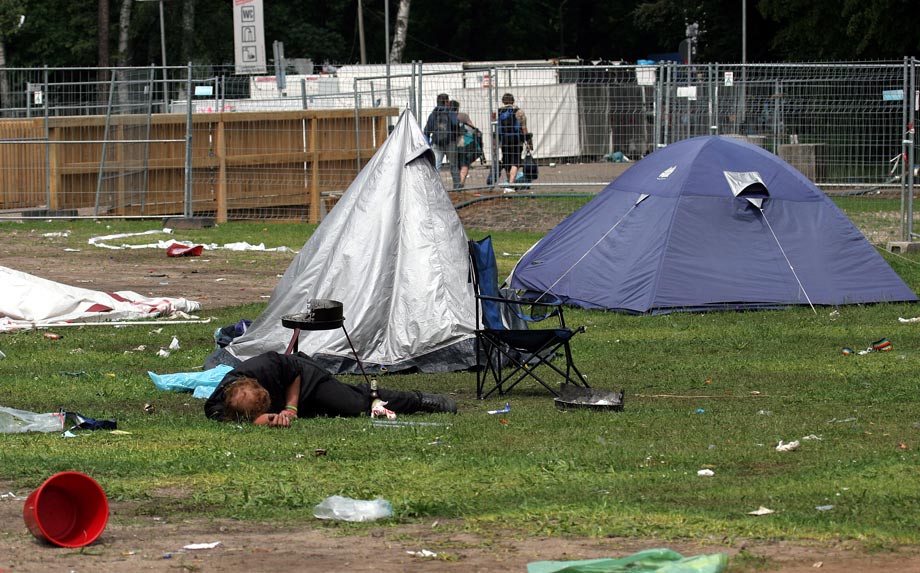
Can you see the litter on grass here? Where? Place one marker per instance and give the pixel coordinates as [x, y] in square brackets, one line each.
[194, 546]
[880, 345]
[356, 510]
[102, 242]
[648, 561]
[788, 447]
[761, 511]
[504, 410]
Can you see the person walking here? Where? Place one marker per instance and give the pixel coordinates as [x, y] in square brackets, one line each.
[467, 145]
[512, 136]
[442, 129]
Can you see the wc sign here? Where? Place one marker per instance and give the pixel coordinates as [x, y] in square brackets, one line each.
[248, 37]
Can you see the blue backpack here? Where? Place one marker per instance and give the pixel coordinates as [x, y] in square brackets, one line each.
[509, 129]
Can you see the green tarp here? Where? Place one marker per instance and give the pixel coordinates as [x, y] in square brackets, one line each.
[648, 561]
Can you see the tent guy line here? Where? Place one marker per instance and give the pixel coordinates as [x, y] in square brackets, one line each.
[641, 198]
[786, 257]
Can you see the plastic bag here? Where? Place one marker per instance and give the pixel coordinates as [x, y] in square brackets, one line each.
[347, 509]
[202, 384]
[14, 421]
[648, 561]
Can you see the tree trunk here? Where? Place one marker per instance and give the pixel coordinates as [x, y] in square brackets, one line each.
[4, 81]
[124, 31]
[188, 31]
[103, 33]
[402, 27]
[102, 36]
[122, 58]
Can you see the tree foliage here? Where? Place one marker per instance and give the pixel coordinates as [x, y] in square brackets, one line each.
[64, 33]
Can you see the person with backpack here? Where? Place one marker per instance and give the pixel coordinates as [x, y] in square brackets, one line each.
[442, 130]
[511, 128]
[468, 144]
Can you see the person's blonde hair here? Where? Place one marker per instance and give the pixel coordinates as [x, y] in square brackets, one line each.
[245, 399]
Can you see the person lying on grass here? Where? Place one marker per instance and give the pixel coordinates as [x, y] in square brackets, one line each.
[271, 389]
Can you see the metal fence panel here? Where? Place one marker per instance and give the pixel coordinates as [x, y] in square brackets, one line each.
[846, 126]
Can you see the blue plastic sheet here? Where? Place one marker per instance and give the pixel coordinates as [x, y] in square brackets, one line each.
[201, 384]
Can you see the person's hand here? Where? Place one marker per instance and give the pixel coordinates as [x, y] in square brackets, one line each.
[272, 420]
[288, 413]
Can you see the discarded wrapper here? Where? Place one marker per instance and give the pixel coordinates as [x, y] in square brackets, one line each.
[881, 345]
[789, 447]
[378, 408]
[705, 473]
[504, 410]
[761, 511]
[194, 546]
[180, 250]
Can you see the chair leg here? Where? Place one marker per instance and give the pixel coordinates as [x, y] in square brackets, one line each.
[570, 365]
[491, 368]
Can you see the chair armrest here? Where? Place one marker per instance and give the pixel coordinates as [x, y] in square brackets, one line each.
[556, 308]
[555, 304]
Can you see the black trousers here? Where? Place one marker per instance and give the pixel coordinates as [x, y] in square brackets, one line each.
[335, 398]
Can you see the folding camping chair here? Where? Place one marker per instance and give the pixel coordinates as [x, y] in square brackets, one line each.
[506, 356]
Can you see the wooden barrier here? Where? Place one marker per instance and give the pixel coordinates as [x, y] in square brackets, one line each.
[276, 162]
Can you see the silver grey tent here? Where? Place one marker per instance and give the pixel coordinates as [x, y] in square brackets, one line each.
[394, 252]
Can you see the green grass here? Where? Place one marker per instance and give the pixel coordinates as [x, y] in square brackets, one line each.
[713, 391]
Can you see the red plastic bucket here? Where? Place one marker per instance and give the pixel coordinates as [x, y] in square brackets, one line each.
[69, 509]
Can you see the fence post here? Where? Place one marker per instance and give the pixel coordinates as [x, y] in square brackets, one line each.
[413, 97]
[47, 145]
[493, 133]
[906, 210]
[220, 146]
[315, 199]
[910, 99]
[659, 82]
[105, 146]
[188, 211]
[714, 99]
[357, 126]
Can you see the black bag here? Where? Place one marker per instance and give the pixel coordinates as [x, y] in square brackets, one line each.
[530, 170]
[445, 128]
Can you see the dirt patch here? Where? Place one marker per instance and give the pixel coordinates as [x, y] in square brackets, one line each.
[216, 279]
[134, 541]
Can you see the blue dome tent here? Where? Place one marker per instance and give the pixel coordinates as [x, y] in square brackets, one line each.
[708, 223]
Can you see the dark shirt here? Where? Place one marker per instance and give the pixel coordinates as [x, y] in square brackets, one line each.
[275, 372]
[431, 126]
